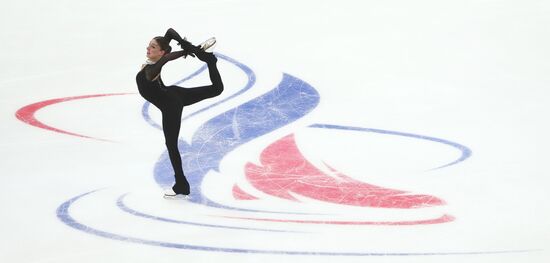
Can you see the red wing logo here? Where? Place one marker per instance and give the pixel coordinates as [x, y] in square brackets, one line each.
[284, 170]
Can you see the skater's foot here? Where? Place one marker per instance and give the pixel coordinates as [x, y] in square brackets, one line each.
[170, 194]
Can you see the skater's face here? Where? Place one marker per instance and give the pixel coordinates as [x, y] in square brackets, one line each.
[154, 51]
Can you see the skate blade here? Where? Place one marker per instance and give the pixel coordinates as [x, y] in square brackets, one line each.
[176, 197]
[208, 45]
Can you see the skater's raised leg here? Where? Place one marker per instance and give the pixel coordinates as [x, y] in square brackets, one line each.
[193, 95]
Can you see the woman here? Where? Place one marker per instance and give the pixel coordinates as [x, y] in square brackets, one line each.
[170, 100]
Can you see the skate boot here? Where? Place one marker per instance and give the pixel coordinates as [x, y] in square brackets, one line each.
[170, 194]
[208, 45]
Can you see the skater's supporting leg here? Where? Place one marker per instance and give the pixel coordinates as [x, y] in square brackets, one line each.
[171, 123]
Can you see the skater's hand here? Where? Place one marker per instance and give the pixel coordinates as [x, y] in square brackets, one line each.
[187, 52]
[206, 57]
[186, 46]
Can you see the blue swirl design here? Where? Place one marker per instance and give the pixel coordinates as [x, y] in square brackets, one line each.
[291, 100]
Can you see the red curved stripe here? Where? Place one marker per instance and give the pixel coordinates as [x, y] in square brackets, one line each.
[443, 219]
[284, 171]
[27, 114]
[240, 194]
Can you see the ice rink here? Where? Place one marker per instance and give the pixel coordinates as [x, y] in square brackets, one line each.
[348, 131]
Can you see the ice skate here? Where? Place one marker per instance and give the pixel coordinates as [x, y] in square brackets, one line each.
[171, 195]
[191, 50]
[208, 45]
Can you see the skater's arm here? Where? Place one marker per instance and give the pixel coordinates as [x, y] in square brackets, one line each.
[153, 71]
[171, 34]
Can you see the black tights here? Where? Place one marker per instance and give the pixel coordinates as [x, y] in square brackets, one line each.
[171, 107]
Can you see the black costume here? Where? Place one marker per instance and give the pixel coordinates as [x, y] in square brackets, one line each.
[170, 100]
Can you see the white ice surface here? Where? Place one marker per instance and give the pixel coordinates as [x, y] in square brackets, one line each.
[474, 72]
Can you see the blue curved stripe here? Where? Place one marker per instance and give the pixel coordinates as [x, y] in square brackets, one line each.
[64, 216]
[147, 117]
[465, 151]
[194, 74]
[289, 101]
[125, 208]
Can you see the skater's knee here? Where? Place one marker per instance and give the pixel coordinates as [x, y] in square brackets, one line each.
[218, 89]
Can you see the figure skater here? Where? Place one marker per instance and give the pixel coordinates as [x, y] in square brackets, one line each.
[170, 100]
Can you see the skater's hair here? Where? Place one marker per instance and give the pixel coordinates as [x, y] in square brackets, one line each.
[164, 44]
